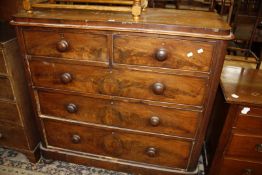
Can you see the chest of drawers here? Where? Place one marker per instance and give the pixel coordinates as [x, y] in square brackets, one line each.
[239, 149]
[17, 129]
[123, 95]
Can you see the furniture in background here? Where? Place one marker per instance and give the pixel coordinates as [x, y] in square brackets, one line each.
[17, 122]
[126, 95]
[234, 140]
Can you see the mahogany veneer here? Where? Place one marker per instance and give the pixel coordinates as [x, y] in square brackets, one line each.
[126, 95]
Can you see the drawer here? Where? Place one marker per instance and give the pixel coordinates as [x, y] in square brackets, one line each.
[2, 62]
[66, 44]
[119, 82]
[238, 167]
[12, 136]
[119, 144]
[5, 89]
[120, 114]
[163, 52]
[250, 120]
[242, 146]
[9, 112]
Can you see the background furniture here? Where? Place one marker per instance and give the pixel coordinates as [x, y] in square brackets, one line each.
[17, 122]
[238, 114]
[132, 96]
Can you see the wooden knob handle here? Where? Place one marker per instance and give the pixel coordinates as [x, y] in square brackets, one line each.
[1, 135]
[259, 147]
[76, 138]
[71, 108]
[66, 78]
[62, 45]
[154, 121]
[161, 54]
[158, 88]
[151, 152]
[247, 172]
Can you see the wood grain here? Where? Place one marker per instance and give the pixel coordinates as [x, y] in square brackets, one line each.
[120, 114]
[81, 45]
[119, 82]
[2, 63]
[141, 50]
[118, 144]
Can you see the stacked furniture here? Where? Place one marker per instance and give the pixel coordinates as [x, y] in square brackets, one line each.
[17, 121]
[239, 148]
[126, 95]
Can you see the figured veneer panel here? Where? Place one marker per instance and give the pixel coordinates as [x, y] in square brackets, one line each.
[5, 89]
[63, 44]
[120, 82]
[126, 115]
[162, 52]
[119, 144]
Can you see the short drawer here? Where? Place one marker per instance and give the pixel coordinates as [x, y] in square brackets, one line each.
[120, 82]
[238, 167]
[12, 136]
[5, 89]
[9, 112]
[162, 52]
[2, 63]
[135, 116]
[119, 144]
[250, 120]
[66, 44]
[245, 146]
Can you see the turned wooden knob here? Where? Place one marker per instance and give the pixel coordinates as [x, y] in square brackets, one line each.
[66, 78]
[154, 121]
[1, 135]
[158, 88]
[247, 172]
[151, 152]
[71, 108]
[76, 138]
[259, 147]
[161, 54]
[62, 45]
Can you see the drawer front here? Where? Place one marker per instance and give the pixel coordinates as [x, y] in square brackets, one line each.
[2, 62]
[119, 82]
[162, 52]
[249, 147]
[118, 144]
[9, 112]
[250, 120]
[5, 89]
[60, 44]
[12, 136]
[120, 114]
[238, 167]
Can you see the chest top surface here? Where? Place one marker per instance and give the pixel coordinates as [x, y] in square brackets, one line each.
[160, 21]
[242, 86]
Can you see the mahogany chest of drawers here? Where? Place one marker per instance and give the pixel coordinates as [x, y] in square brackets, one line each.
[17, 129]
[119, 94]
[239, 148]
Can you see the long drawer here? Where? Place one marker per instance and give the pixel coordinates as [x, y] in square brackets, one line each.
[245, 146]
[9, 112]
[118, 144]
[240, 167]
[12, 136]
[163, 52]
[120, 114]
[120, 82]
[6, 89]
[66, 44]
